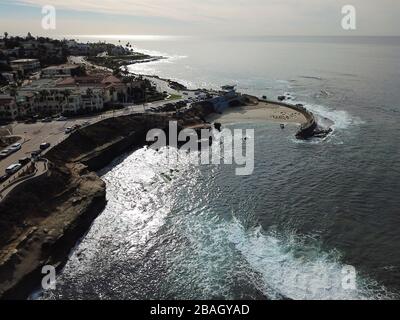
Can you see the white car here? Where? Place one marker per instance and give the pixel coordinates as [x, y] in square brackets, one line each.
[68, 130]
[61, 119]
[13, 168]
[5, 153]
[15, 147]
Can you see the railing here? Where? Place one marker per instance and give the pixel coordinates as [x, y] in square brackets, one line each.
[24, 178]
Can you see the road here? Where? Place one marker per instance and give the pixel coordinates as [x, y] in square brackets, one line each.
[32, 135]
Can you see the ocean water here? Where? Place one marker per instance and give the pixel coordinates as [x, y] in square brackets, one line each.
[309, 210]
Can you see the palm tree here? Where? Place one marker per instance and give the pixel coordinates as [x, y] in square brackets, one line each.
[89, 92]
[43, 95]
[13, 92]
[5, 35]
[66, 94]
[112, 91]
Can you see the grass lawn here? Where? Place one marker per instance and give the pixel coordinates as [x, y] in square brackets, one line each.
[174, 97]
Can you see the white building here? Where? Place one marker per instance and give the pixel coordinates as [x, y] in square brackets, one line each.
[26, 65]
[63, 70]
[53, 96]
[83, 101]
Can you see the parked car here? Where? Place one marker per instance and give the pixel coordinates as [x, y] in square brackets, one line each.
[86, 123]
[5, 153]
[68, 130]
[48, 119]
[3, 178]
[62, 118]
[36, 153]
[13, 168]
[44, 145]
[15, 147]
[24, 161]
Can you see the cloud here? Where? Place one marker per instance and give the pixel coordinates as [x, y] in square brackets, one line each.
[242, 16]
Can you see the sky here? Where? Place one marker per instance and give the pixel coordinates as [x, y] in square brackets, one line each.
[200, 17]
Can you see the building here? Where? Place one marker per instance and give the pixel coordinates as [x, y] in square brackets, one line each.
[11, 52]
[6, 78]
[53, 96]
[29, 47]
[114, 90]
[77, 49]
[225, 98]
[26, 66]
[8, 107]
[25, 103]
[63, 70]
[83, 101]
[76, 94]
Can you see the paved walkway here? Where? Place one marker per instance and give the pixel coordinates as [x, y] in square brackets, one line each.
[7, 186]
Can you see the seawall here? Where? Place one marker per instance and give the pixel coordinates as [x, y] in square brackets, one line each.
[307, 129]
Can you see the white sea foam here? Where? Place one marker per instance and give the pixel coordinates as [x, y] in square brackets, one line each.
[280, 266]
[341, 119]
[312, 275]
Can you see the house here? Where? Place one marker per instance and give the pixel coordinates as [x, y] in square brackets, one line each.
[11, 52]
[63, 70]
[8, 107]
[26, 66]
[29, 48]
[8, 76]
[118, 51]
[77, 49]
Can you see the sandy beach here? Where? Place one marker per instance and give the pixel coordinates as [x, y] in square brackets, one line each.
[261, 112]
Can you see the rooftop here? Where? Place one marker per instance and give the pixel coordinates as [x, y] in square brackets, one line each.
[24, 60]
[5, 99]
[39, 84]
[62, 66]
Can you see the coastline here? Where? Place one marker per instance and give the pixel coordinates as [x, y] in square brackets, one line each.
[32, 235]
[77, 193]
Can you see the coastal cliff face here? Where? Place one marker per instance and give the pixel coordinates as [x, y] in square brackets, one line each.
[41, 222]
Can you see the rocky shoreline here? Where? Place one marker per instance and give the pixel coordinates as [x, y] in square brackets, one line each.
[42, 222]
